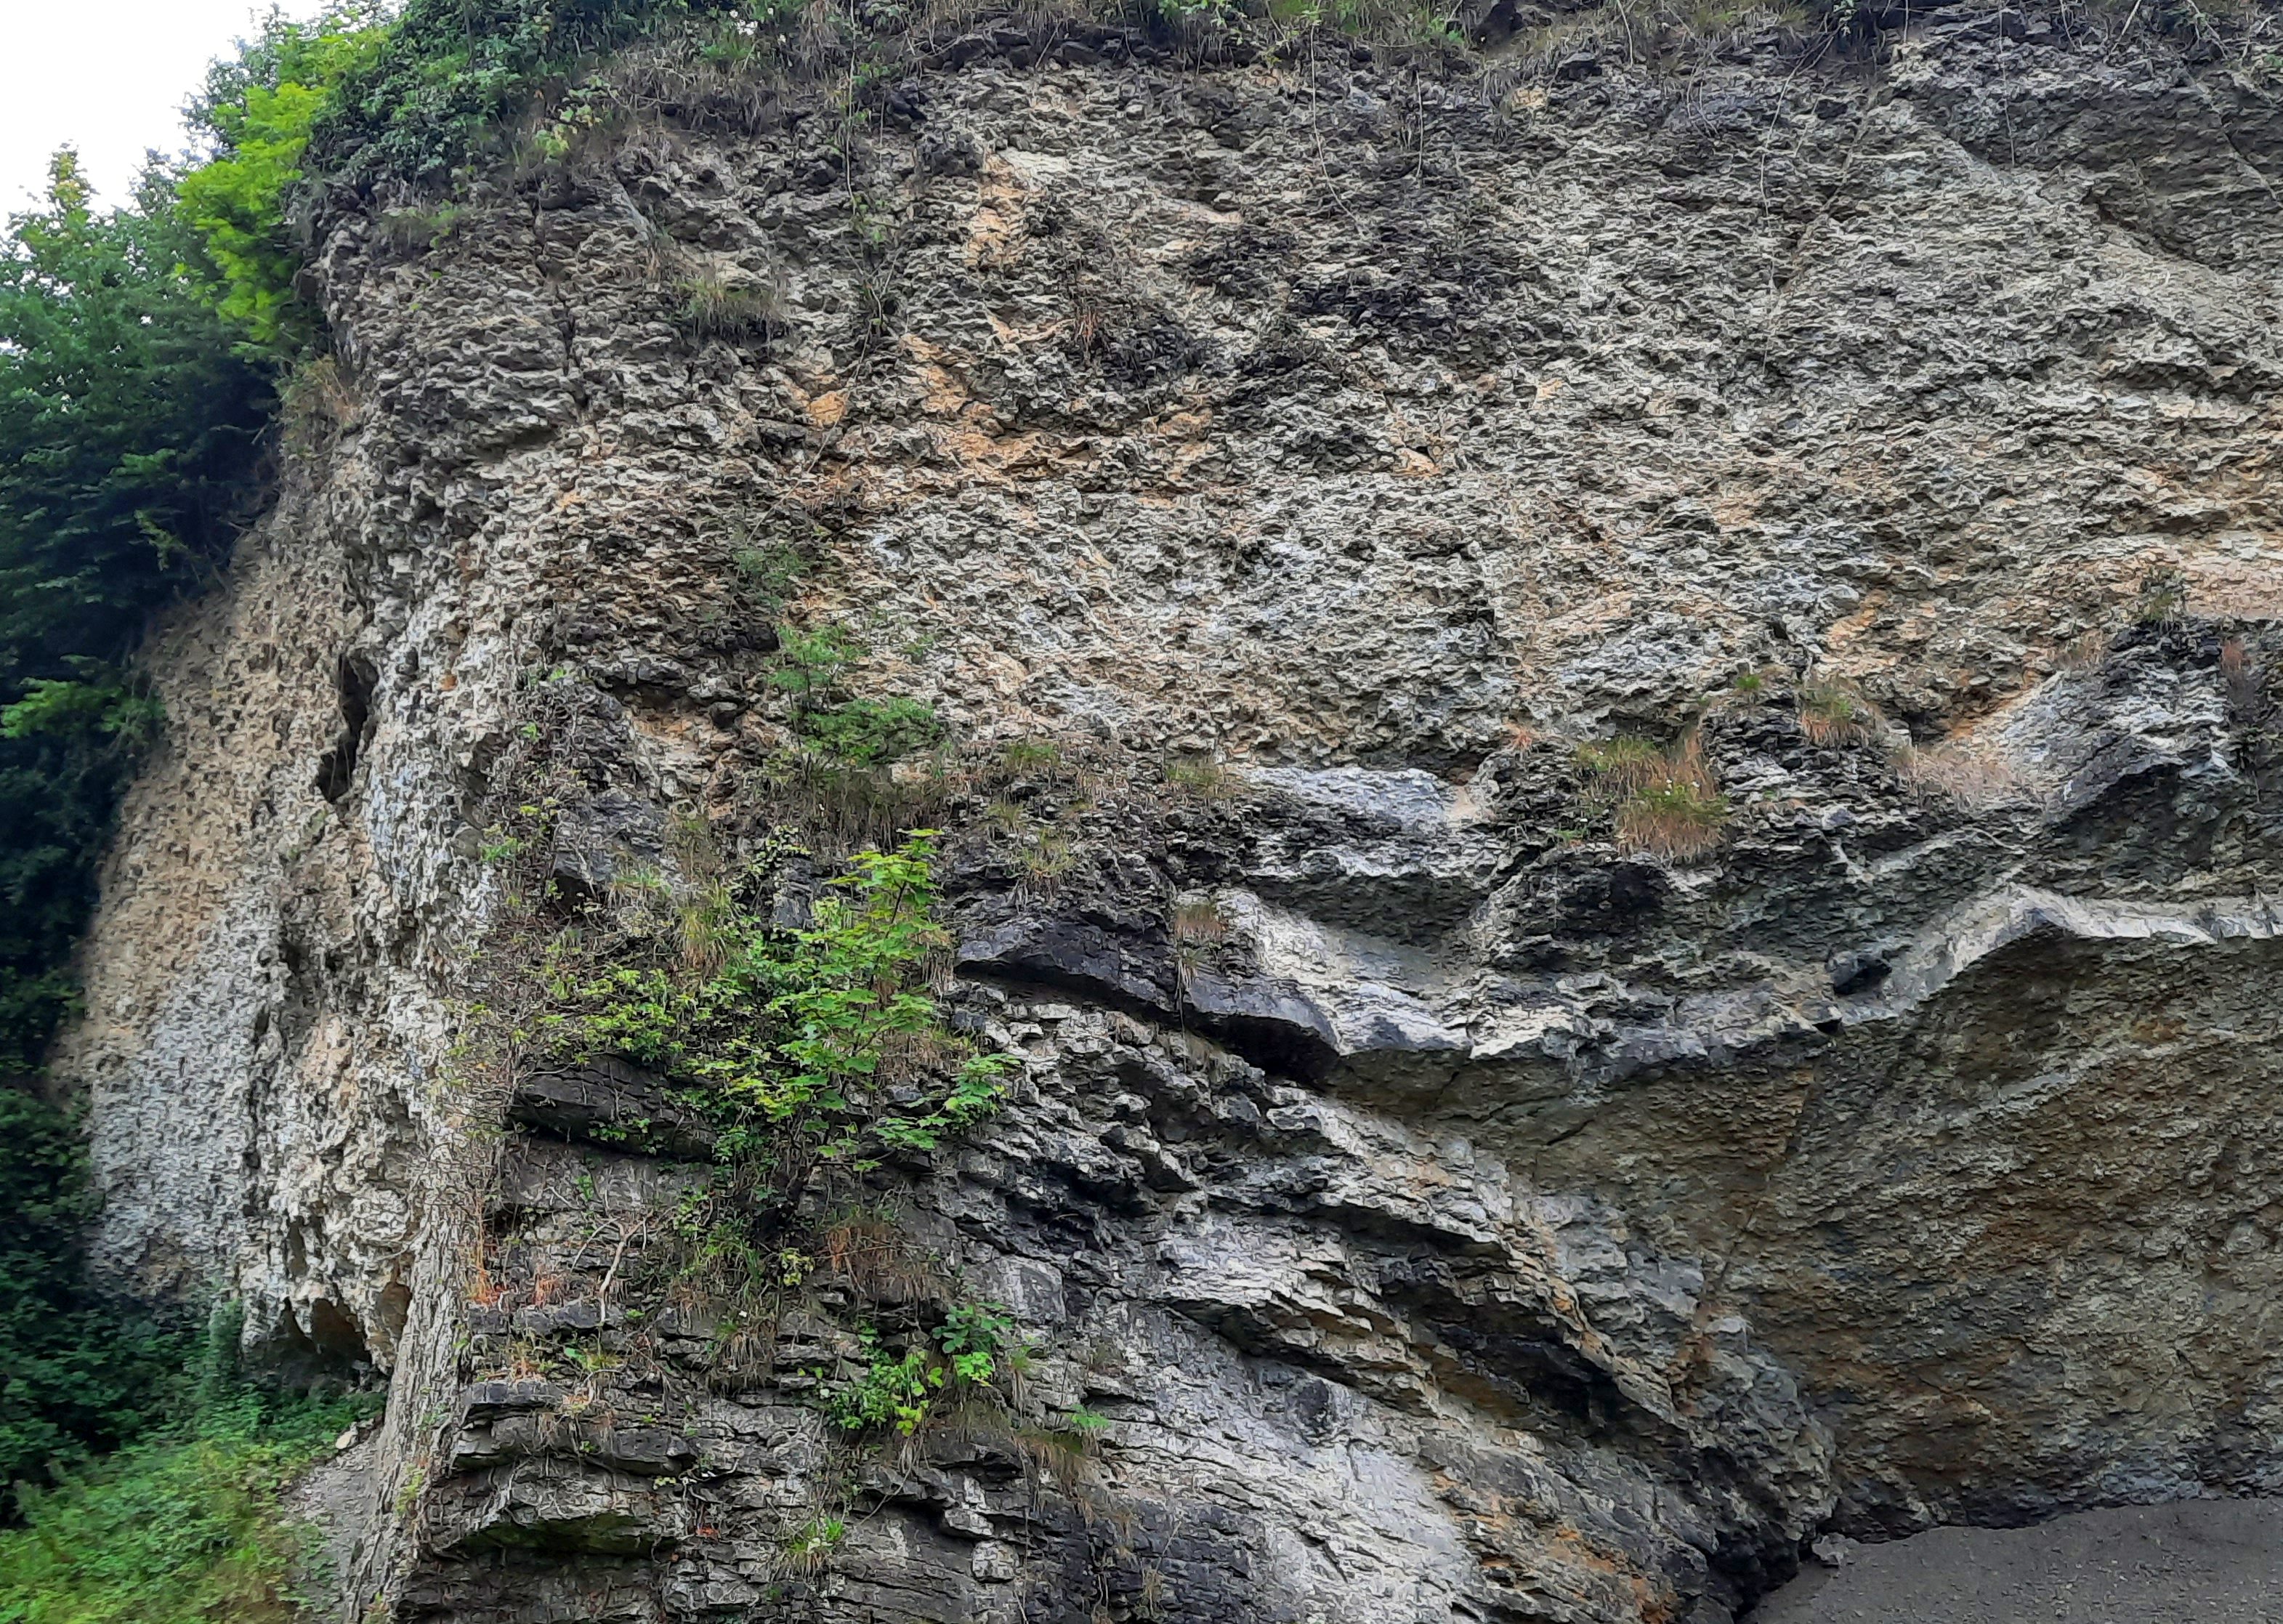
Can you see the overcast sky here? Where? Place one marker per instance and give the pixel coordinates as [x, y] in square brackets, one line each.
[107, 76]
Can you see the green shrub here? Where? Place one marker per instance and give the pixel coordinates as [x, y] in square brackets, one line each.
[808, 1549]
[410, 231]
[816, 1048]
[852, 732]
[810, 664]
[873, 732]
[184, 1529]
[451, 73]
[975, 1345]
[129, 437]
[766, 574]
[104, 706]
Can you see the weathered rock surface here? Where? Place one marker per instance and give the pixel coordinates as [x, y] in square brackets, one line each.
[1472, 1220]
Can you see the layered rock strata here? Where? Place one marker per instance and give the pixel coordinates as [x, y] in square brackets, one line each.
[1460, 1216]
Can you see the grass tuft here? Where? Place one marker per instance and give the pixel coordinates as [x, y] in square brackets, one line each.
[1199, 921]
[1200, 776]
[738, 312]
[1834, 714]
[1968, 777]
[1665, 802]
[2162, 598]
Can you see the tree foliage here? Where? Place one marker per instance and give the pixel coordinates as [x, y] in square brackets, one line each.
[187, 1527]
[77, 1374]
[259, 108]
[129, 435]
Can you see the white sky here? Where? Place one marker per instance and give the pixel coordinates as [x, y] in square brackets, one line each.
[107, 76]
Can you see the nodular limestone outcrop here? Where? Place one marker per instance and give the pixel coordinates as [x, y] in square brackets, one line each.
[1454, 1214]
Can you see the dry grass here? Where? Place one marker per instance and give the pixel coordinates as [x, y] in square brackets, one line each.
[1662, 32]
[1008, 816]
[1618, 766]
[1678, 820]
[1047, 856]
[736, 312]
[316, 403]
[1032, 758]
[1200, 776]
[1199, 921]
[1666, 801]
[1832, 714]
[837, 809]
[2084, 653]
[1967, 776]
[871, 1252]
[1066, 1458]
[409, 231]
[2242, 677]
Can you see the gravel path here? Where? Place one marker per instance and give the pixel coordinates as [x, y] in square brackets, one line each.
[2195, 1562]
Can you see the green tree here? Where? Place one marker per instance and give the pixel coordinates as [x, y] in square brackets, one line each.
[129, 437]
[186, 1526]
[129, 433]
[76, 1374]
[258, 107]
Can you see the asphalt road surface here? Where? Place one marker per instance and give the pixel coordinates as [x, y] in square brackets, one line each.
[2195, 1562]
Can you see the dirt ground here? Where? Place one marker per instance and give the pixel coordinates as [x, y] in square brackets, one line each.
[2195, 1562]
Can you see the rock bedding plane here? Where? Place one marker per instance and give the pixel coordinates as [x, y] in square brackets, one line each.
[1282, 475]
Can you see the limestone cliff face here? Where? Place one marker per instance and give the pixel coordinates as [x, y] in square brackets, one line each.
[1478, 1220]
